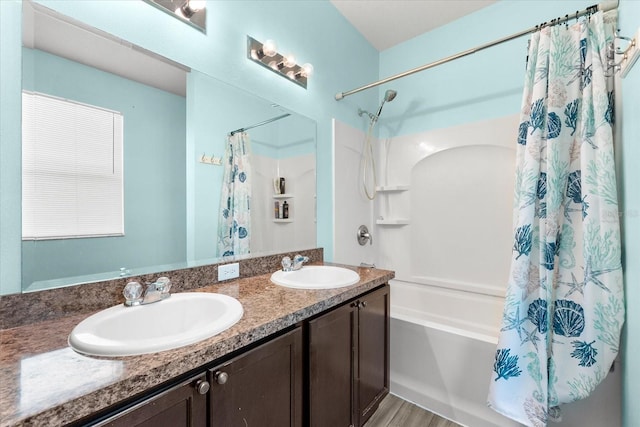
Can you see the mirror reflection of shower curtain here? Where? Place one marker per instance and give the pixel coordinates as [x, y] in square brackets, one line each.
[234, 219]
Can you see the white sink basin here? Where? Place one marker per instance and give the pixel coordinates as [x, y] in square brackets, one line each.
[182, 319]
[316, 277]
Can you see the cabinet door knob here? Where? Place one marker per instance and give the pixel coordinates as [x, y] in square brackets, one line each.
[202, 386]
[363, 304]
[221, 377]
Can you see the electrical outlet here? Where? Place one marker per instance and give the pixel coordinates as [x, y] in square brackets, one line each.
[631, 55]
[228, 271]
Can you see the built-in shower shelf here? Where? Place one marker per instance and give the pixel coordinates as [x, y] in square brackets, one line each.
[283, 196]
[283, 220]
[393, 221]
[392, 188]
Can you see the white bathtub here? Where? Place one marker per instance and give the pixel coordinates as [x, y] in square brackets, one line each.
[443, 343]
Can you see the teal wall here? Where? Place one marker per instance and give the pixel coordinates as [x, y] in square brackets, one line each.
[313, 30]
[10, 147]
[154, 172]
[630, 177]
[489, 84]
[481, 86]
[292, 136]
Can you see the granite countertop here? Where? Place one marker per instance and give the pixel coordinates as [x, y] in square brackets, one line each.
[44, 382]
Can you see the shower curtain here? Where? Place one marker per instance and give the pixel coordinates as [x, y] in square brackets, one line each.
[234, 219]
[564, 306]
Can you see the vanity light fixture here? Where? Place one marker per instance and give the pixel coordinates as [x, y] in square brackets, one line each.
[266, 54]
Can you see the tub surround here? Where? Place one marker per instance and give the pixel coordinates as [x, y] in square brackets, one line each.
[43, 381]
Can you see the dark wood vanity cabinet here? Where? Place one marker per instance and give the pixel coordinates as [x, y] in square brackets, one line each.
[349, 361]
[330, 371]
[373, 352]
[262, 387]
[184, 405]
[332, 367]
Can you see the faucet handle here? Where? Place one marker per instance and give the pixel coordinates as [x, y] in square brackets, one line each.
[300, 258]
[163, 285]
[132, 293]
[286, 264]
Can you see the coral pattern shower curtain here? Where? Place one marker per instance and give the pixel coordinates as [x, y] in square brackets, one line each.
[234, 219]
[564, 306]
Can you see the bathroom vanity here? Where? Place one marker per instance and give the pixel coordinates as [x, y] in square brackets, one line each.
[296, 358]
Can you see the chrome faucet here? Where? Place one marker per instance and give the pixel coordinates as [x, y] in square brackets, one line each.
[296, 264]
[156, 291]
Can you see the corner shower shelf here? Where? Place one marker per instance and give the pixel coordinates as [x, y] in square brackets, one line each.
[392, 188]
[283, 196]
[283, 220]
[393, 221]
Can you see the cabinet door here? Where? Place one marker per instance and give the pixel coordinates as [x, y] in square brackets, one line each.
[179, 406]
[373, 353]
[332, 352]
[262, 387]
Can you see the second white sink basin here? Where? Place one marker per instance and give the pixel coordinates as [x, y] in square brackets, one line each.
[182, 319]
[316, 277]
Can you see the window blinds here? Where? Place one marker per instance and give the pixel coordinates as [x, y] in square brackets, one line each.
[72, 178]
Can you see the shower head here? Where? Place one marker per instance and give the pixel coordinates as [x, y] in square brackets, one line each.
[389, 96]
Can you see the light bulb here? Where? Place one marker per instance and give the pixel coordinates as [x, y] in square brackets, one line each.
[274, 65]
[289, 61]
[291, 74]
[189, 8]
[196, 5]
[269, 48]
[307, 69]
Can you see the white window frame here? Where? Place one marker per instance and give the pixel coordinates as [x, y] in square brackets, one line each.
[72, 169]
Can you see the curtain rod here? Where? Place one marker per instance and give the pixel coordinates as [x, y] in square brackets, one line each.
[233, 132]
[604, 6]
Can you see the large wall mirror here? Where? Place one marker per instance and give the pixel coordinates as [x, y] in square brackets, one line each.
[173, 119]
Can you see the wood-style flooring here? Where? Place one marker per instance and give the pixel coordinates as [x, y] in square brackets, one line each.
[395, 412]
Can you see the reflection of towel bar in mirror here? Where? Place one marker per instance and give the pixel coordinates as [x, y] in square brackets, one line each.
[210, 160]
[273, 119]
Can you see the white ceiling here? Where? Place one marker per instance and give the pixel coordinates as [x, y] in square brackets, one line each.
[385, 23]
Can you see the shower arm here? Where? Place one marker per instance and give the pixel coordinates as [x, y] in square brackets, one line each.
[604, 6]
[362, 112]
